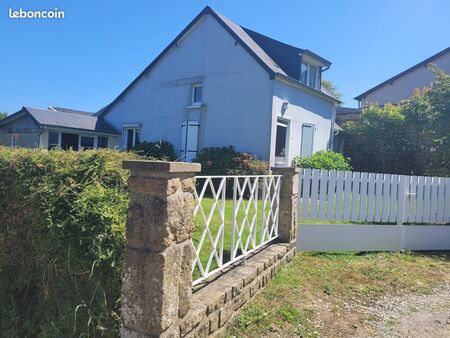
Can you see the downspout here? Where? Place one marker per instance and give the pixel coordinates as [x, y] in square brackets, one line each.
[333, 116]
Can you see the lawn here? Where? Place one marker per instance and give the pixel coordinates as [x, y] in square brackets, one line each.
[248, 241]
[318, 294]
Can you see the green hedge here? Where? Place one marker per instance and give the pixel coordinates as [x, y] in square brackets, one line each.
[327, 160]
[160, 150]
[62, 219]
[228, 161]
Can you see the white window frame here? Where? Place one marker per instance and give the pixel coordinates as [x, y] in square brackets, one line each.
[193, 102]
[308, 72]
[283, 160]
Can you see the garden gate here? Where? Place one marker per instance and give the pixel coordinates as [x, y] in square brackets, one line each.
[357, 211]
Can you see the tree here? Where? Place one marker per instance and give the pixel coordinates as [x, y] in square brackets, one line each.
[412, 137]
[3, 115]
[378, 142]
[332, 89]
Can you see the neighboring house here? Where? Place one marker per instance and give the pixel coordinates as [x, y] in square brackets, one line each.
[220, 84]
[403, 85]
[344, 114]
[56, 128]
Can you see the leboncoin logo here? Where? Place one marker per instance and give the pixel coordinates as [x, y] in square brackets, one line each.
[30, 14]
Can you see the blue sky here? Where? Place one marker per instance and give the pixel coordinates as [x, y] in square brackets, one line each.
[85, 60]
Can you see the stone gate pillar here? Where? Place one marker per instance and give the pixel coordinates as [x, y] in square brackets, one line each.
[287, 223]
[157, 279]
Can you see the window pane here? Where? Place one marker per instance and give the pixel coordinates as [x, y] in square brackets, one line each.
[137, 139]
[312, 76]
[197, 96]
[87, 142]
[130, 138]
[280, 144]
[102, 142]
[53, 138]
[304, 73]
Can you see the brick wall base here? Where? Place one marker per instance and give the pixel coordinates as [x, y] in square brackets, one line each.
[217, 301]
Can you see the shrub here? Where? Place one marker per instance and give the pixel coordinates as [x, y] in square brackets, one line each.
[227, 161]
[62, 237]
[160, 150]
[327, 160]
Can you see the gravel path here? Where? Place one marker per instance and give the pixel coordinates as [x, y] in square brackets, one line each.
[412, 315]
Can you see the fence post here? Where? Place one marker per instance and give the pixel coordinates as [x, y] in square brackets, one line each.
[287, 223]
[156, 278]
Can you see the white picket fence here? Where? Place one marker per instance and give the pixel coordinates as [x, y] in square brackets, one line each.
[372, 212]
[373, 198]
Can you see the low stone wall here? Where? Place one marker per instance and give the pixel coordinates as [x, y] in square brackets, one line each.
[157, 295]
[214, 305]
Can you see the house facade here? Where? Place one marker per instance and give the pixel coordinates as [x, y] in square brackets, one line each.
[56, 128]
[403, 85]
[220, 84]
[217, 84]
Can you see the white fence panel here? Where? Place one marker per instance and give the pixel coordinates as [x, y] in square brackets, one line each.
[368, 197]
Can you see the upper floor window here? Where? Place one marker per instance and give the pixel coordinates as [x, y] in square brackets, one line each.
[309, 75]
[197, 94]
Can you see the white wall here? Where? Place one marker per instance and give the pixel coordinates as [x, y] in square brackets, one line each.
[370, 237]
[404, 87]
[236, 90]
[302, 108]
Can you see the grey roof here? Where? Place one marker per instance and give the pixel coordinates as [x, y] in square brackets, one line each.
[347, 110]
[276, 57]
[71, 119]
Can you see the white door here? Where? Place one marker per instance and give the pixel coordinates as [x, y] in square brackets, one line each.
[189, 140]
[307, 140]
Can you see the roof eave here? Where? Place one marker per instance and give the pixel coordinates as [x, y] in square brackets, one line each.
[47, 126]
[300, 85]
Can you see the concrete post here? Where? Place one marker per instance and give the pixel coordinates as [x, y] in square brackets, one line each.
[287, 224]
[157, 279]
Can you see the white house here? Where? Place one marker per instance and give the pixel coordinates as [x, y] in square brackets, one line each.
[220, 84]
[403, 85]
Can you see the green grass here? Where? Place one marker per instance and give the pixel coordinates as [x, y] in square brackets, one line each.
[315, 288]
[254, 238]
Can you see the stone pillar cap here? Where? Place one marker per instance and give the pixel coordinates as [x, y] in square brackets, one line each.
[161, 166]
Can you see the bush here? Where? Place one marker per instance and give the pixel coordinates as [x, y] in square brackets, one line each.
[160, 150]
[227, 161]
[62, 238]
[327, 160]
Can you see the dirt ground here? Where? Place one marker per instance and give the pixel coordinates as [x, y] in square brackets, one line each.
[410, 315]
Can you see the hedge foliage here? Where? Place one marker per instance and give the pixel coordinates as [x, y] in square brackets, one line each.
[327, 160]
[62, 219]
[228, 161]
[160, 150]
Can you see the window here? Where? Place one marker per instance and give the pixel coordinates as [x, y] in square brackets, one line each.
[281, 142]
[309, 75]
[132, 137]
[86, 142]
[307, 140]
[53, 140]
[197, 94]
[102, 142]
[304, 73]
[312, 76]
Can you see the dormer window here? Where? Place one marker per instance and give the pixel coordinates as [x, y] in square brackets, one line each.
[309, 75]
[197, 94]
